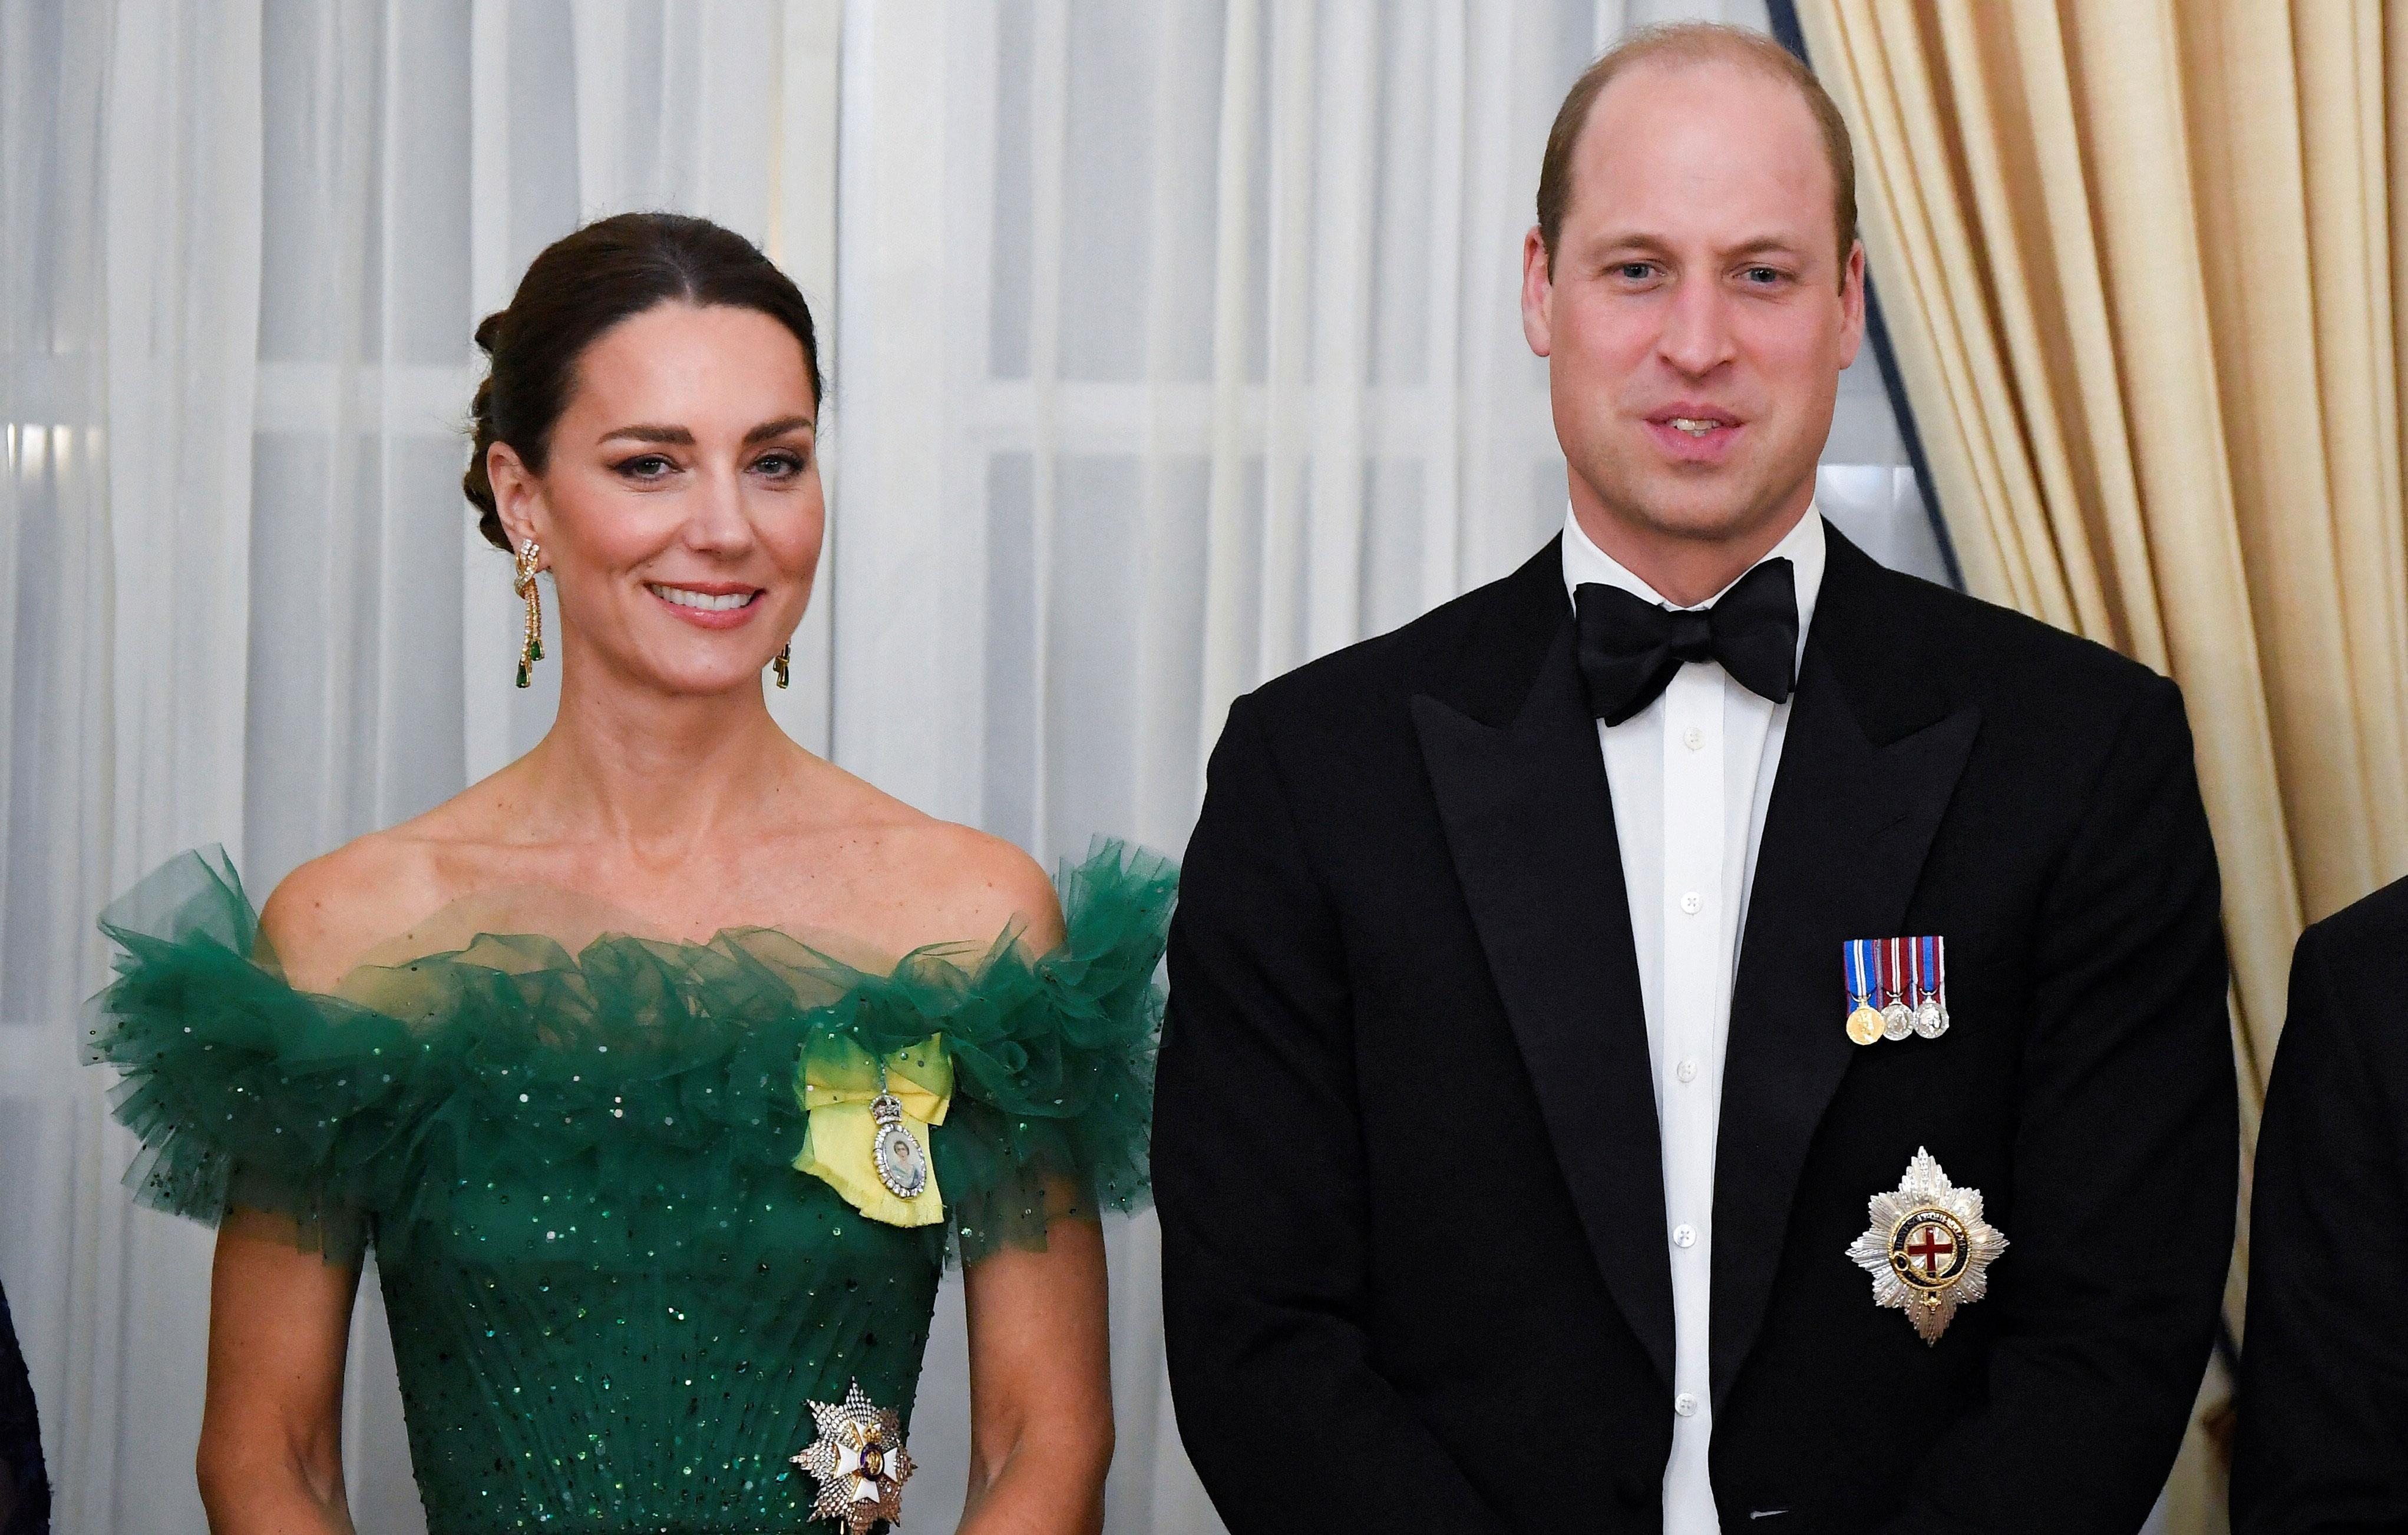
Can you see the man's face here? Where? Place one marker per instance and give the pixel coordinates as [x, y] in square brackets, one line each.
[1695, 320]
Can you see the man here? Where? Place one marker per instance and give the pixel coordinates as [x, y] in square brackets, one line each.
[1518, 1167]
[2323, 1446]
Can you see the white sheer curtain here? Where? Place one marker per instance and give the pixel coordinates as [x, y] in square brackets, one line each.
[1173, 344]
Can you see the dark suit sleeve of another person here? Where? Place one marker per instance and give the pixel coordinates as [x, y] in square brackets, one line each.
[1258, 1179]
[25, 1493]
[2324, 1381]
[2125, 1165]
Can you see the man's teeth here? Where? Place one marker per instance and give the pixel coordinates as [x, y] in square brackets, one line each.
[703, 600]
[1694, 427]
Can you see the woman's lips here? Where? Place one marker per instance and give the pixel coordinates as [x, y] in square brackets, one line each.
[711, 607]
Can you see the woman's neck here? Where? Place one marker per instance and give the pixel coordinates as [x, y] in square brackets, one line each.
[656, 774]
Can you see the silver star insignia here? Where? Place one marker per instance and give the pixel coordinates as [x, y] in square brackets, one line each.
[1928, 1250]
[858, 1462]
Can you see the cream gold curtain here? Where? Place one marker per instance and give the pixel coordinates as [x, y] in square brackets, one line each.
[2136, 258]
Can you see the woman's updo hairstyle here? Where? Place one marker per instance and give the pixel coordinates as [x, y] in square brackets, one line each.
[580, 285]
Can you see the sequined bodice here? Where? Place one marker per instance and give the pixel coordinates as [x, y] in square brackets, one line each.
[614, 1289]
[557, 1374]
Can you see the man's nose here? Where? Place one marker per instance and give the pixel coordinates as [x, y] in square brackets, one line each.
[1695, 338]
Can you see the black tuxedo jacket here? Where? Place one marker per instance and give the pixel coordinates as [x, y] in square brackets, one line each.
[1415, 1270]
[2324, 1373]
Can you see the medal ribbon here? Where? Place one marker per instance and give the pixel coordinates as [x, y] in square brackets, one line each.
[1935, 967]
[837, 1082]
[1892, 981]
[1856, 972]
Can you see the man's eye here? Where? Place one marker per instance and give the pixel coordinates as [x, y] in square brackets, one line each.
[1764, 275]
[1635, 270]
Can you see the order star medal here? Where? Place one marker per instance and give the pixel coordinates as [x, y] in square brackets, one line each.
[858, 1462]
[1928, 1250]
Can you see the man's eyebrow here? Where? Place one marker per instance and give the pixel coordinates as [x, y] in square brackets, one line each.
[1764, 244]
[778, 427]
[675, 436]
[1642, 240]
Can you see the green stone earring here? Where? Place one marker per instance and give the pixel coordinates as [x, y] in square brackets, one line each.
[531, 649]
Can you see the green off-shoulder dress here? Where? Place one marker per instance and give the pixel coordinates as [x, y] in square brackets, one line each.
[614, 1292]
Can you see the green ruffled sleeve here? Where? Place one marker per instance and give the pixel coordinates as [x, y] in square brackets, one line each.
[241, 1089]
[1053, 1056]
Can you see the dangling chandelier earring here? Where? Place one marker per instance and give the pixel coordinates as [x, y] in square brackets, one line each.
[531, 650]
[785, 656]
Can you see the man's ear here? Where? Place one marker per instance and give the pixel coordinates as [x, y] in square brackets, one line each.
[1852, 304]
[1538, 294]
[518, 494]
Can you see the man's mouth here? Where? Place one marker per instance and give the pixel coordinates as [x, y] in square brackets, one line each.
[1695, 420]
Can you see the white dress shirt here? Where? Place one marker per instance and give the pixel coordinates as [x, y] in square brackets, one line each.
[1691, 775]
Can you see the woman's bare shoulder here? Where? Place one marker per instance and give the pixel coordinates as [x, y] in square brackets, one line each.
[977, 885]
[909, 880]
[330, 911]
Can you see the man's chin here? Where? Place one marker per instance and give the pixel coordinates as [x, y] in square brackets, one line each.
[1695, 518]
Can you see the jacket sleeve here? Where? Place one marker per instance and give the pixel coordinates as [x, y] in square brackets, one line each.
[2127, 1159]
[2323, 1444]
[1259, 1180]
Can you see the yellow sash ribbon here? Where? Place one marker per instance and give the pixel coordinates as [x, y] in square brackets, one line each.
[837, 1082]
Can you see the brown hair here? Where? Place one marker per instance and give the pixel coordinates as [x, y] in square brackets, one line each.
[580, 285]
[1695, 42]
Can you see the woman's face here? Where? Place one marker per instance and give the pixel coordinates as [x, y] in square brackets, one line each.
[681, 509]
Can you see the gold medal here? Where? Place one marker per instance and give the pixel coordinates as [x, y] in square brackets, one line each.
[1857, 963]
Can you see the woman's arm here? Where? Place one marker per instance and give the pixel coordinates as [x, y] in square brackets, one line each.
[271, 1456]
[1041, 1386]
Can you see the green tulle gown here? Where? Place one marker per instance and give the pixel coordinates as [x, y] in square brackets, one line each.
[613, 1294]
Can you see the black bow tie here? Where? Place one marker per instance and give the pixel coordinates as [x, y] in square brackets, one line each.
[1629, 647]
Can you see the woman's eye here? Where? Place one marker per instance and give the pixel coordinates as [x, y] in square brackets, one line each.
[782, 465]
[647, 466]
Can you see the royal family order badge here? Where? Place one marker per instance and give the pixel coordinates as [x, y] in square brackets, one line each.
[858, 1462]
[1928, 1250]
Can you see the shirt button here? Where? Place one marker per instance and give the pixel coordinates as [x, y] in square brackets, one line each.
[1692, 902]
[1686, 1404]
[1684, 1236]
[1695, 740]
[1688, 1071]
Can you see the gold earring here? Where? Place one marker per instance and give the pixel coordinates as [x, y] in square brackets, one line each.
[531, 649]
[785, 656]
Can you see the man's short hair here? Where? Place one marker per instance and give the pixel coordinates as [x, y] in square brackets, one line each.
[1689, 43]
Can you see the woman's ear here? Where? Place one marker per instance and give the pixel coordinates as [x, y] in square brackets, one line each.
[518, 494]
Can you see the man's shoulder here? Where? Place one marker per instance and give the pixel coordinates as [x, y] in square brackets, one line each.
[2017, 669]
[2368, 937]
[1502, 626]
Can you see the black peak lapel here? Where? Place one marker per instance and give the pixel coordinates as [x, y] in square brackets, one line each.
[1844, 840]
[1530, 823]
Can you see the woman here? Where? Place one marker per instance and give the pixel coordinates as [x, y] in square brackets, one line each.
[612, 1057]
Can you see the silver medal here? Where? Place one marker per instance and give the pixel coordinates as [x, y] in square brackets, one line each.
[1931, 1019]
